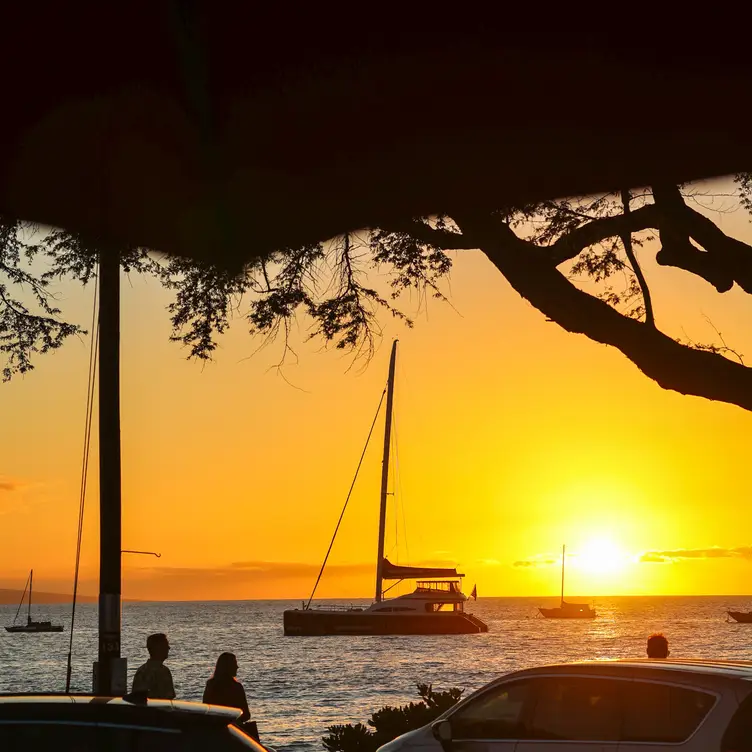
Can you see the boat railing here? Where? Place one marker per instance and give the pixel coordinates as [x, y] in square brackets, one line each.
[334, 607]
[445, 586]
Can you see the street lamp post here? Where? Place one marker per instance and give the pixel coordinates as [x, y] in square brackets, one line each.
[144, 553]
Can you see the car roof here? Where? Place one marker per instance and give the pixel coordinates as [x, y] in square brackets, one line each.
[696, 671]
[91, 708]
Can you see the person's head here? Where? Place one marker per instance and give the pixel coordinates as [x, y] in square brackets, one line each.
[657, 646]
[227, 666]
[158, 646]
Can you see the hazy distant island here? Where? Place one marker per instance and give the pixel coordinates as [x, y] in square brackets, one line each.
[13, 597]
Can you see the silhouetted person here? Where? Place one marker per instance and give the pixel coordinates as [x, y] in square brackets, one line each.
[154, 677]
[224, 689]
[657, 646]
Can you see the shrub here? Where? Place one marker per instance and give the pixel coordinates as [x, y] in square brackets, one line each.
[390, 722]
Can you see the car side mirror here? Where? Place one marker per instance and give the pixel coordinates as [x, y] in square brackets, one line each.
[442, 732]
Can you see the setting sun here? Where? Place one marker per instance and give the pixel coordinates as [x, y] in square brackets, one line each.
[601, 556]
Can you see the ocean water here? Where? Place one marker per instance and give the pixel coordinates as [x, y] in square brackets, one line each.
[297, 686]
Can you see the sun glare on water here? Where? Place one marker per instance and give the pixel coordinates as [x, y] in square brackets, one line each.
[601, 556]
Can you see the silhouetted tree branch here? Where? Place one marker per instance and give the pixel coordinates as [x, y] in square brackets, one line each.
[539, 248]
[572, 243]
[722, 348]
[626, 239]
[32, 327]
[421, 232]
[669, 363]
[724, 260]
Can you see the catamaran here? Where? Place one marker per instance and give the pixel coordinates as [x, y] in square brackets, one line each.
[568, 610]
[31, 626]
[436, 606]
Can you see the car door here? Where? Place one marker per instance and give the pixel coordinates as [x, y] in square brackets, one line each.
[26, 735]
[658, 716]
[572, 714]
[493, 721]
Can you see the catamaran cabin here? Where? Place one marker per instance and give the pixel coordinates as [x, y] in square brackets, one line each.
[428, 597]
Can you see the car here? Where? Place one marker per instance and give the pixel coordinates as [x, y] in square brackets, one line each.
[86, 723]
[644, 705]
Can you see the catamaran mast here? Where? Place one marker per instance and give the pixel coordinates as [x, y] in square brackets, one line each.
[31, 586]
[385, 471]
[110, 669]
[563, 552]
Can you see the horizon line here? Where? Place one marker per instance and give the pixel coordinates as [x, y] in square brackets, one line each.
[94, 597]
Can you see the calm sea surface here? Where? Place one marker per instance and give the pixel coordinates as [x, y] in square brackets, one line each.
[297, 686]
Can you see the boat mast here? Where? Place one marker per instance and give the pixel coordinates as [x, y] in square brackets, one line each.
[109, 671]
[385, 471]
[31, 586]
[563, 552]
[23, 598]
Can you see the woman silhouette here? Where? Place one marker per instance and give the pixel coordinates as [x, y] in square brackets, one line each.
[224, 689]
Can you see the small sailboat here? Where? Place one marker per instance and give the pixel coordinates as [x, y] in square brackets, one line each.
[435, 607]
[31, 626]
[567, 610]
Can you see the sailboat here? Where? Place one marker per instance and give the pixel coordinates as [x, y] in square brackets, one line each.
[436, 606]
[567, 610]
[31, 626]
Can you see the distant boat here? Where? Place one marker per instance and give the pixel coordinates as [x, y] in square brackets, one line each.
[743, 617]
[568, 610]
[436, 606]
[31, 626]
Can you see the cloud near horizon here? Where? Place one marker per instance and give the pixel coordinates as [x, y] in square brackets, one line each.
[680, 554]
[249, 570]
[540, 560]
[249, 579]
[9, 484]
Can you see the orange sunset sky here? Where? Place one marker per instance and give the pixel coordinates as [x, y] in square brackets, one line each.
[513, 438]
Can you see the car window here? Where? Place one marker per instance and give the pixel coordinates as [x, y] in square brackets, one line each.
[71, 737]
[661, 712]
[574, 708]
[38, 737]
[126, 739]
[189, 739]
[496, 714]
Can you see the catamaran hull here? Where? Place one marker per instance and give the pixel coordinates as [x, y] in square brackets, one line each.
[559, 613]
[312, 622]
[29, 630]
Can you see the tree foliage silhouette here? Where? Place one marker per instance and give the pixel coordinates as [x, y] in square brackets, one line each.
[545, 251]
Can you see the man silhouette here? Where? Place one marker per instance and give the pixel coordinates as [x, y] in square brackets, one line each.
[658, 646]
[154, 678]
